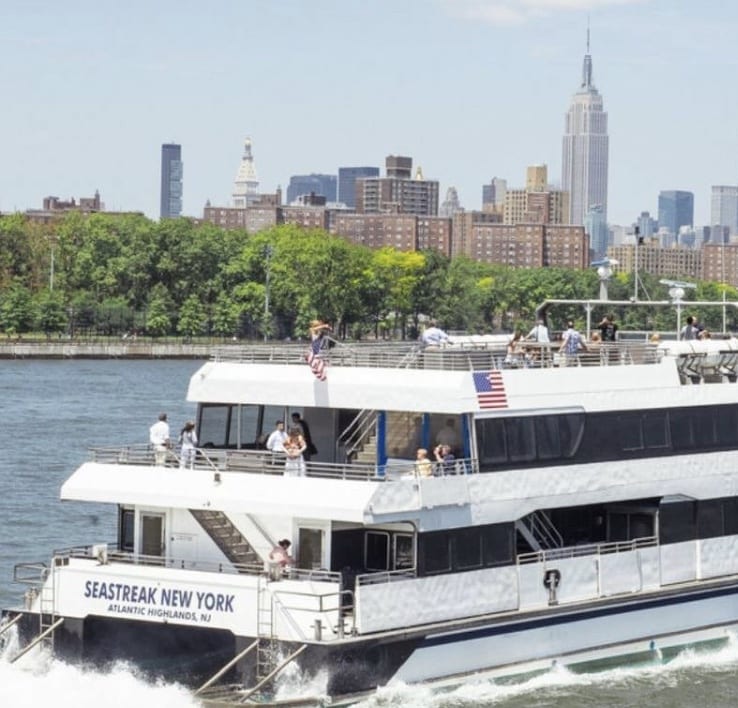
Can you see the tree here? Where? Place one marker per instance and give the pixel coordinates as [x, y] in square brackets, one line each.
[191, 317]
[158, 319]
[17, 310]
[51, 315]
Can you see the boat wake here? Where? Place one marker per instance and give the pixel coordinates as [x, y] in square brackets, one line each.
[681, 681]
[39, 679]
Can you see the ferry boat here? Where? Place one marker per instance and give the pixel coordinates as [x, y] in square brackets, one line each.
[590, 514]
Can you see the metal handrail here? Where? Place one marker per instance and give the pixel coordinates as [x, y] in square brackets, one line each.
[356, 432]
[590, 549]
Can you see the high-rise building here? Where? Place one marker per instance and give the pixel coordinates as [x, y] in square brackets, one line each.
[676, 209]
[585, 149]
[493, 195]
[246, 184]
[321, 185]
[596, 226]
[347, 177]
[537, 203]
[724, 207]
[451, 204]
[399, 192]
[171, 181]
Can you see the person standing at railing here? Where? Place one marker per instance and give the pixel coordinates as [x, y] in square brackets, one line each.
[280, 559]
[445, 460]
[294, 447]
[301, 424]
[159, 439]
[188, 445]
[434, 336]
[277, 438]
[423, 466]
[609, 334]
[571, 344]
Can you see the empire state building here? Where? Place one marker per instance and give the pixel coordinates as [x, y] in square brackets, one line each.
[585, 156]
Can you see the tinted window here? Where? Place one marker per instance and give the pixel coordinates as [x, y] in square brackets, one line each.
[682, 437]
[213, 425]
[548, 437]
[730, 516]
[655, 429]
[629, 432]
[468, 548]
[677, 522]
[521, 446]
[709, 518]
[491, 440]
[377, 550]
[497, 544]
[436, 552]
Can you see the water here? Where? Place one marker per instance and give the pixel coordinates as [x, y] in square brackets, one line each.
[53, 410]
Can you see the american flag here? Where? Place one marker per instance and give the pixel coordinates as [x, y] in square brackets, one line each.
[316, 363]
[490, 389]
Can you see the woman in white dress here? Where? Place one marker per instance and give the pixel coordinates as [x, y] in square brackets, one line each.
[188, 441]
[294, 446]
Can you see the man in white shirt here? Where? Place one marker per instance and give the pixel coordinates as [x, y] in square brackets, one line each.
[539, 333]
[434, 336]
[159, 439]
[275, 441]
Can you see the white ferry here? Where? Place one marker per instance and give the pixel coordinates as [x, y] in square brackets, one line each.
[590, 515]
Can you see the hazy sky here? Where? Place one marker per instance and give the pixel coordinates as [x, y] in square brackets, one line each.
[470, 89]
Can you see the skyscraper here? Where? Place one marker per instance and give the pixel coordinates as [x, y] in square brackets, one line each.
[171, 181]
[585, 149]
[676, 208]
[322, 185]
[246, 185]
[724, 207]
[347, 177]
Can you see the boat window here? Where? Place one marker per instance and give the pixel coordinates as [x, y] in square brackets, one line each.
[704, 426]
[629, 432]
[436, 552]
[677, 522]
[521, 445]
[376, 550]
[468, 549]
[491, 440]
[126, 523]
[617, 526]
[709, 518]
[404, 551]
[548, 437]
[497, 541]
[213, 428]
[641, 525]
[152, 534]
[727, 426]
[248, 427]
[730, 516]
[655, 429]
[310, 549]
[680, 423]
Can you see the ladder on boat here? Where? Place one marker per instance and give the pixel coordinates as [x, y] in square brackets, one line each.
[266, 648]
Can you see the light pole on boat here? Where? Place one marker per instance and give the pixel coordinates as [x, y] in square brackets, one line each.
[604, 273]
[676, 293]
[268, 255]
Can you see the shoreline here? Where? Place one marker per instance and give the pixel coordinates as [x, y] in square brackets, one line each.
[97, 350]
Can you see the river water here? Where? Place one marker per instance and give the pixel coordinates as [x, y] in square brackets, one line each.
[52, 411]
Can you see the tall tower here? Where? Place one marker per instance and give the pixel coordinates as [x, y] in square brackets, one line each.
[171, 181]
[246, 186]
[585, 149]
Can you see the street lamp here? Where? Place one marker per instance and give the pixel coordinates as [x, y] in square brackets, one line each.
[676, 293]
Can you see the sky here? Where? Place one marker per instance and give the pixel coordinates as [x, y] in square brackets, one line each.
[470, 89]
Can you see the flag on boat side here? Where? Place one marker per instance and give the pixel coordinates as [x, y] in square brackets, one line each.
[490, 389]
[315, 361]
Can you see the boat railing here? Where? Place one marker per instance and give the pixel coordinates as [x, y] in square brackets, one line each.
[385, 576]
[589, 549]
[468, 355]
[114, 555]
[216, 460]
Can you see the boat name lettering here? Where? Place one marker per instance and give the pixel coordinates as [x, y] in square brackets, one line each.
[164, 597]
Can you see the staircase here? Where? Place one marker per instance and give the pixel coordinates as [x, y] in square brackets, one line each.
[539, 532]
[227, 537]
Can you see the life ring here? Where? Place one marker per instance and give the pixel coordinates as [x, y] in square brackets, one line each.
[551, 578]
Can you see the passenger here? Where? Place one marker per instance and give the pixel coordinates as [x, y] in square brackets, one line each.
[294, 447]
[704, 334]
[571, 345]
[423, 466]
[277, 438]
[539, 333]
[301, 424]
[280, 559]
[159, 439]
[516, 354]
[609, 333]
[446, 461]
[318, 343]
[434, 336]
[188, 445]
[448, 435]
[689, 331]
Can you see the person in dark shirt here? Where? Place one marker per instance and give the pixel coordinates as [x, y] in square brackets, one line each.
[609, 333]
[299, 422]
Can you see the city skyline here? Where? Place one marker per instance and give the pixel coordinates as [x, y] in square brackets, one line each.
[471, 89]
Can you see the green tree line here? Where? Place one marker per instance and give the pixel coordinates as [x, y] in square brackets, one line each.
[111, 275]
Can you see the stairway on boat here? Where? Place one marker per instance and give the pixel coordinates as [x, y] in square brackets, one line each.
[227, 537]
[403, 432]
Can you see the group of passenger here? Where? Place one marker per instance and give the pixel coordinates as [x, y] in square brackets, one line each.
[161, 442]
[444, 460]
[296, 445]
[694, 329]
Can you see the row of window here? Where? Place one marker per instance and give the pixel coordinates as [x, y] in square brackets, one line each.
[612, 435]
